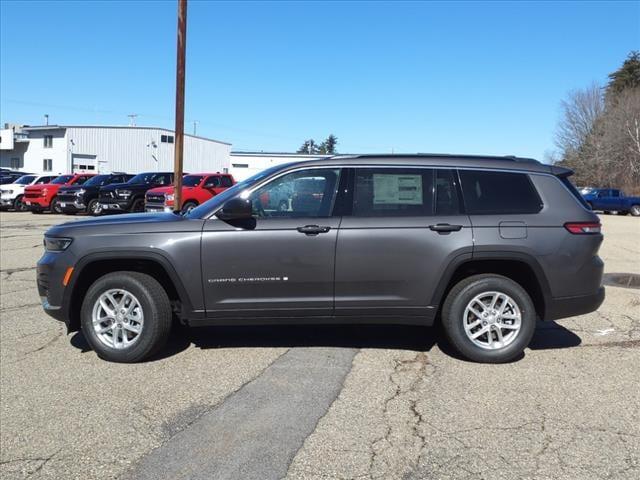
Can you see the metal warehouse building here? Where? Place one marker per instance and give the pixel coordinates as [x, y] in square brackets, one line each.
[245, 164]
[76, 148]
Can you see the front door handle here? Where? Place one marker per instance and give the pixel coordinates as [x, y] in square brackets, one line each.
[313, 229]
[445, 227]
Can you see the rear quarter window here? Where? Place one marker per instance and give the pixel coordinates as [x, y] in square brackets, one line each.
[488, 193]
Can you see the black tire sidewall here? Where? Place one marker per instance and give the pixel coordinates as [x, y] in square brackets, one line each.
[18, 204]
[137, 206]
[453, 313]
[54, 207]
[187, 204]
[156, 310]
[90, 206]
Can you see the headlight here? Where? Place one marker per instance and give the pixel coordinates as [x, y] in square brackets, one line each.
[80, 192]
[169, 197]
[123, 193]
[44, 192]
[56, 244]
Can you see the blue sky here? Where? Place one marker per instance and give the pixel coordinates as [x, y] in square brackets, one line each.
[403, 77]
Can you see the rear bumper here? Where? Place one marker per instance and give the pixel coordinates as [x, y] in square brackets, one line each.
[563, 307]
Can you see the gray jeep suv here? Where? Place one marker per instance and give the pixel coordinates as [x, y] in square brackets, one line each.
[483, 245]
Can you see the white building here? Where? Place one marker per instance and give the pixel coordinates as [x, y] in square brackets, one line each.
[77, 148]
[245, 164]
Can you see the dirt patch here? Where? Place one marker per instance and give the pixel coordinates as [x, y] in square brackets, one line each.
[625, 280]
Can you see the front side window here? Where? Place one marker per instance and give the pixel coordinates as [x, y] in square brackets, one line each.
[305, 193]
[162, 179]
[381, 192]
[191, 180]
[487, 193]
[213, 182]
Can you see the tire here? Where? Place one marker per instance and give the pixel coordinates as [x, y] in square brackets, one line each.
[93, 207]
[187, 207]
[55, 206]
[635, 210]
[154, 305]
[18, 205]
[137, 206]
[455, 316]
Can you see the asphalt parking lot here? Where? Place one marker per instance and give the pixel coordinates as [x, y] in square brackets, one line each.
[318, 402]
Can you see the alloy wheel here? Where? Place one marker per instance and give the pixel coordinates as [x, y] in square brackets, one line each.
[492, 320]
[117, 318]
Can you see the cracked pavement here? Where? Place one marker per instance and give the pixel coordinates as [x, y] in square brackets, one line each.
[318, 402]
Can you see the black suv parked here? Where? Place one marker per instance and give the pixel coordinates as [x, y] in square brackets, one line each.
[129, 197]
[80, 198]
[484, 245]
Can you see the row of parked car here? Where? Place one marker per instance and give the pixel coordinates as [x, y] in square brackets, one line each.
[114, 192]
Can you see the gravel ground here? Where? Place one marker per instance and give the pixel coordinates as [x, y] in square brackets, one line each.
[318, 402]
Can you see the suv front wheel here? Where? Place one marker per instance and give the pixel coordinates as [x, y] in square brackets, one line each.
[488, 318]
[126, 316]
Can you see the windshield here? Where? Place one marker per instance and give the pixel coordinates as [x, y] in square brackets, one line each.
[212, 204]
[62, 179]
[25, 179]
[97, 180]
[142, 178]
[191, 180]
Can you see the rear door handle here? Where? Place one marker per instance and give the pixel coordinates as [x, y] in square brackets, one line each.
[445, 227]
[313, 229]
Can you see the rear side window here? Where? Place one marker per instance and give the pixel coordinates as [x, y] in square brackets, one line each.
[574, 191]
[487, 193]
[226, 182]
[446, 193]
[381, 192]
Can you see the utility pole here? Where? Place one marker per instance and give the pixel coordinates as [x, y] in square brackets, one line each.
[46, 119]
[179, 143]
[195, 124]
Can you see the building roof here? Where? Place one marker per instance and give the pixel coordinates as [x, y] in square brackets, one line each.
[36, 128]
[279, 154]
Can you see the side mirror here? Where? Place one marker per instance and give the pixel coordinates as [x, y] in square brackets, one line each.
[236, 209]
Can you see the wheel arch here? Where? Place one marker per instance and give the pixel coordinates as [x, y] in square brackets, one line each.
[521, 268]
[93, 266]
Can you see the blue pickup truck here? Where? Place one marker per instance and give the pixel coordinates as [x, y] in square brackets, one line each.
[612, 200]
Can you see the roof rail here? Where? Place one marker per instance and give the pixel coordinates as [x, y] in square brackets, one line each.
[438, 155]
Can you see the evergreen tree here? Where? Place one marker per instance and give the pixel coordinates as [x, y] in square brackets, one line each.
[626, 77]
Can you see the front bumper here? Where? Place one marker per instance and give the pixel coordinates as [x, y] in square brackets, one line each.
[6, 202]
[157, 207]
[564, 307]
[54, 296]
[36, 203]
[71, 203]
[114, 205]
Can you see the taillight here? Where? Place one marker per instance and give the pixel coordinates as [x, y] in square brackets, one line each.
[582, 228]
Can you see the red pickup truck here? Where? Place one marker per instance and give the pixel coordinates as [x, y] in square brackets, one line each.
[38, 198]
[196, 189]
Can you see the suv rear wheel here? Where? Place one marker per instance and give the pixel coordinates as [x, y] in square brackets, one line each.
[488, 318]
[18, 204]
[635, 210]
[126, 316]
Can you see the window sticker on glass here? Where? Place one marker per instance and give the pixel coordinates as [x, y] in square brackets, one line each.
[394, 189]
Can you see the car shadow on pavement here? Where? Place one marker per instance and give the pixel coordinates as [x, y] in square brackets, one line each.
[548, 335]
